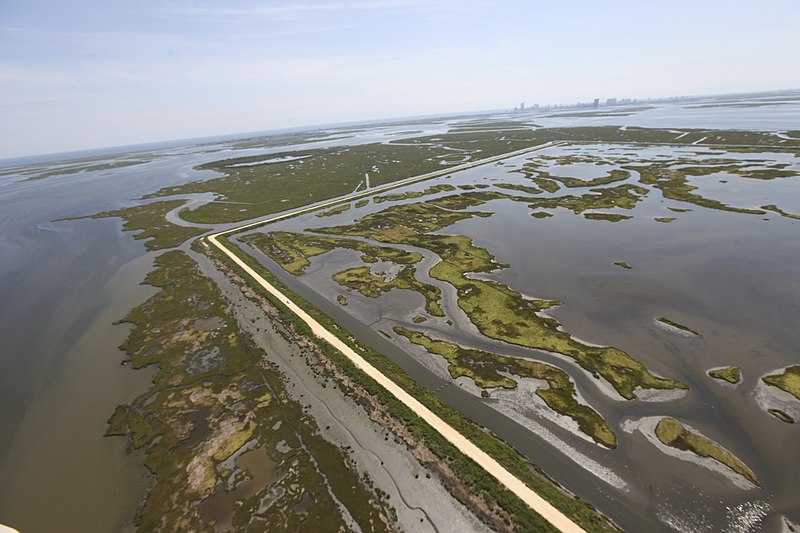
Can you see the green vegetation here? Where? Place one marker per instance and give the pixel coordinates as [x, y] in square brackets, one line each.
[496, 310]
[664, 220]
[364, 281]
[458, 202]
[731, 374]
[623, 264]
[610, 217]
[541, 214]
[293, 250]
[397, 223]
[672, 433]
[394, 197]
[667, 321]
[673, 184]
[775, 209]
[781, 415]
[613, 176]
[213, 402]
[487, 371]
[149, 221]
[788, 381]
[505, 507]
[74, 169]
[334, 211]
[521, 188]
[622, 196]
[546, 184]
[341, 299]
[361, 203]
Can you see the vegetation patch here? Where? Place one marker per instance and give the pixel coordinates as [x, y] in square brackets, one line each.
[664, 220]
[731, 374]
[673, 184]
[527, 189]
[623, 264]
[546, 184]
[781, 415]
[775, 209]
[672, 433]
[334, 211]
[149, 221]
[488, 371]
[624, 196]
[676, 325]
[612, 177]
[788, 381]
[394, 197]
[609, 217]
[364, 281]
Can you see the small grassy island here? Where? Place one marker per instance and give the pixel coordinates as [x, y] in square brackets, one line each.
[623, 264]
[676, 325]
[731, 374]
[788, 381]
[610, 217]
[672, 433]
[783, 416]
[364, 281]
[334, 210]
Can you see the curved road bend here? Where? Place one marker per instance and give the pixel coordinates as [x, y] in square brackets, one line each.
[512, 483]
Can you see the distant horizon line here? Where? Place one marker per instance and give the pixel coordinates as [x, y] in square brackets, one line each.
[68, 155]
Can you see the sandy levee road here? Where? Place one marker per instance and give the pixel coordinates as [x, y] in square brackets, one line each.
[512, 483]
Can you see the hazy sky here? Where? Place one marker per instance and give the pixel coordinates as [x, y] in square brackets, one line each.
[85, 74]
